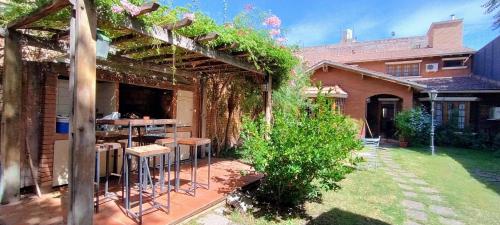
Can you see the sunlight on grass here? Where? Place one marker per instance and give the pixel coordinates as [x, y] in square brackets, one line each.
[372, 197]
[451, 172]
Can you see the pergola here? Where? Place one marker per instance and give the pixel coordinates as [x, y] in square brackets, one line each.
[78, 43]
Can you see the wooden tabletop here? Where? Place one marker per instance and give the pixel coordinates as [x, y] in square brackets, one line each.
[148, 150]
[136, 122]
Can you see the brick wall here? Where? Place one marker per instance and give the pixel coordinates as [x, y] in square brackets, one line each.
[380, 66]
[359, 88]
[446, 34]
[48, 130]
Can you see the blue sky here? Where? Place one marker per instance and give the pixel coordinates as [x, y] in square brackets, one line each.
[320, 22]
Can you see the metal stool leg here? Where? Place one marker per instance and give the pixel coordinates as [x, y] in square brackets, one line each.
[106, 185]
[97, 174]
[209, 156]
[140, 188]
[195, 168]
[168, 185]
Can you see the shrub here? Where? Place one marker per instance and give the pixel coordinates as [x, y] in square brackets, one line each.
[414, 125]
[305, 150]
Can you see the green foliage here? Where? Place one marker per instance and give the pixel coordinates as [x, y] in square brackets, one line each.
[263, 50]
[414, 125]
[307, 148]
[449, 134]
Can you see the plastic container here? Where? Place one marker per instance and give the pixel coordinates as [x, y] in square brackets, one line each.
[62, 125]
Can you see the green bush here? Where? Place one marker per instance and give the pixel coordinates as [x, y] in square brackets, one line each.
[414, 125]
[449, 134]
[306, 149]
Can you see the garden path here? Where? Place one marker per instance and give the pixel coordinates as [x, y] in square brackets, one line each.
[421, 200]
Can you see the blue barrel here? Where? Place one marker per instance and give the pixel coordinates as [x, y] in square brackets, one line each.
[62, 125]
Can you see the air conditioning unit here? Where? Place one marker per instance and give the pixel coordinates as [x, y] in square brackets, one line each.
[495, 113]
[431, 67]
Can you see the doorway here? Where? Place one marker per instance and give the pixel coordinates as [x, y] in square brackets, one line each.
[381, 111]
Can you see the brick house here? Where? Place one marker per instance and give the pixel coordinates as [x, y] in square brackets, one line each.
[383, 77]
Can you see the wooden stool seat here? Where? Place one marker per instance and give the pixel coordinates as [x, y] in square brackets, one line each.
[148, 150]
[113, 145]
[193, 141]
[165, 141]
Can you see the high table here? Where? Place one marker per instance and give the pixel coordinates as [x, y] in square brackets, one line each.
[137, 123]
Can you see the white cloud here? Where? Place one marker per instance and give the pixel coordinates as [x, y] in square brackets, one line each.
[418, 22]
[310, 32]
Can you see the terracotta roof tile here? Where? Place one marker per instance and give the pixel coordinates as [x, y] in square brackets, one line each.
[379, 50]
[463, 83]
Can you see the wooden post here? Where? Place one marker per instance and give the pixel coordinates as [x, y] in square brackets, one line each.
[12, 122]
[83, 89]
[269, 103]
[203, 118]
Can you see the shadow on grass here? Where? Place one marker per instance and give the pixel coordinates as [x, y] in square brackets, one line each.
[339, 216]
[481, 165]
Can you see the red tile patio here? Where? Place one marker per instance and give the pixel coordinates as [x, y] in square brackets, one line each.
[227, 175]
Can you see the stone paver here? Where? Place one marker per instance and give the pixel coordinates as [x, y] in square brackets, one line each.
[410, 222]
[410, 194]
[417, 215]
[442, 210]
[418, 181]
[400, 180]
[436, 198]
[413, 204]
[448, 221]
[408, 174]
[412, 187]
[211, 219]
[406, 187]
[428, 190]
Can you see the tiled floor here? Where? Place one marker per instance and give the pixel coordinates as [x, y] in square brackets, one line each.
[226, 176]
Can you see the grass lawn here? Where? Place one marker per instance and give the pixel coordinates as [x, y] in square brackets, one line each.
[372, 197]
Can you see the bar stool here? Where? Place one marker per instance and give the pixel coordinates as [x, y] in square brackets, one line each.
[143, 153]
[193, 143]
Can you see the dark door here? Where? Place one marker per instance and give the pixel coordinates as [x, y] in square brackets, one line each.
[387, 113]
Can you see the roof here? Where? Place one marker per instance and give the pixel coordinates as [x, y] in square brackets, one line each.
[328, 91]
[469, 83]
[367, 72]
[378, 50]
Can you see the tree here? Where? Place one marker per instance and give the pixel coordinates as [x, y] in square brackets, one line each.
[492, 6]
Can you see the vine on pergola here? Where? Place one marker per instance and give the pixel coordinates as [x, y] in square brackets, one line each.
[262, 44]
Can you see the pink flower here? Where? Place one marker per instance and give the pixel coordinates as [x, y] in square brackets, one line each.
[130, 8]
[274, 32]
[249, 7]
[281, 40]
[117, 9]
[190, 16]
[273, 21]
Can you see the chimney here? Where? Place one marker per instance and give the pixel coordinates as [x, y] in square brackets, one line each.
[347, 36]
[452, 17]
[446, 34]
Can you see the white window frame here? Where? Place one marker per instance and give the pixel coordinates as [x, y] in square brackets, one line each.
[454, 67]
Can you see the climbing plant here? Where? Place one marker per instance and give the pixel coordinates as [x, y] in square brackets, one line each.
[262, 40]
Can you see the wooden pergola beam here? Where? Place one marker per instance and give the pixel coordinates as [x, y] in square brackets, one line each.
[156, 57]
[206, 37]
[179, 24]
[123, 38]
[38, 14]
[141, 49]
[187, 44]
[147, 8]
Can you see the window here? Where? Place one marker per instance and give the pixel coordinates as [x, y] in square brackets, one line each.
[403, 70]
[454, 63]
[455, 113]
[438, 113]
[461, 115]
